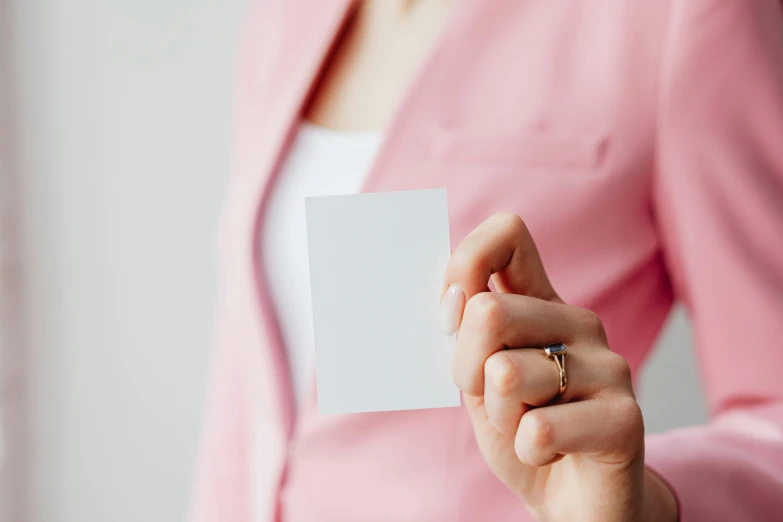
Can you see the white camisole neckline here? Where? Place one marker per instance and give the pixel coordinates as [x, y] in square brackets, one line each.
[319, 162]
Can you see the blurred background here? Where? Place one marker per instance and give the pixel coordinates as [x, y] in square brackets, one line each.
[114, 149]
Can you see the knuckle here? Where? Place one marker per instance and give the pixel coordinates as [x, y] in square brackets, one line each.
[591, 324]
[509, 223]
[628, 408]
[619, 368]
[537, 431]
[485, 312]
[534, 439]
[631, 414]
[504, 375]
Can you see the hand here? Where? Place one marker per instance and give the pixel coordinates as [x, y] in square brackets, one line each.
[575, 457]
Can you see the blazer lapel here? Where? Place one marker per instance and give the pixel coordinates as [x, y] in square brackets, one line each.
[278, 79]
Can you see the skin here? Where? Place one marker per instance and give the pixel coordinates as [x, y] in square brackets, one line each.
[372, 63]
[579, 457]
[576, 457]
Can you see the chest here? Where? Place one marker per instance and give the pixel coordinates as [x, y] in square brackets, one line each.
[371, 60]
[543, 109]
[546, 110]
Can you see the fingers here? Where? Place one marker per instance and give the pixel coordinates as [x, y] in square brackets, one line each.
[493, 321]
[510, 386]
[603, 427]
[518, 379]
[503, 246]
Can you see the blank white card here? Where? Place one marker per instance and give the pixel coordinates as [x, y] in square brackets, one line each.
[376, 268]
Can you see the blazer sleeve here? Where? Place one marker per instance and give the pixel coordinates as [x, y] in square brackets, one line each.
[718, 200]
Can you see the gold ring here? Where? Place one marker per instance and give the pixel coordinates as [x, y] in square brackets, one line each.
[557, 353]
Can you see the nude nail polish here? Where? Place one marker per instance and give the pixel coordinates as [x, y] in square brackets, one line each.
[451, 308]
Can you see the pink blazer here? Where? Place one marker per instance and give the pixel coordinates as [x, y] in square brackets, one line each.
[642, 142]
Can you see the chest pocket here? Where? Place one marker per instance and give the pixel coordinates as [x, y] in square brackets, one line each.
[520, 152]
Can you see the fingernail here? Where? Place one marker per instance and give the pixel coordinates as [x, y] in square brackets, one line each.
[451, 308]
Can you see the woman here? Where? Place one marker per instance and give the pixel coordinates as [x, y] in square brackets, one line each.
[641, 146]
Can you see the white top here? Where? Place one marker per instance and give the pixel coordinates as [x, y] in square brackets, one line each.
[320, 162]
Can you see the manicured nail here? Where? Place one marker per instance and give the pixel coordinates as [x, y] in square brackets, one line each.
[451, 308]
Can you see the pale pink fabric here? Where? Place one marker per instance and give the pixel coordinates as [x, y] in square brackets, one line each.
[642, 142]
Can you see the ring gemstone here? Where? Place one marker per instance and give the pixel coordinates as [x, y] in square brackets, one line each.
[555, 349]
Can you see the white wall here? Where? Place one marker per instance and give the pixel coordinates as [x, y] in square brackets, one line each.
[125, 111]
[125, 107]
[12, 370]
[670, 391]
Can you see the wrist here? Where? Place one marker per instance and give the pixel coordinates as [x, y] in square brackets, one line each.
[660, 503]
